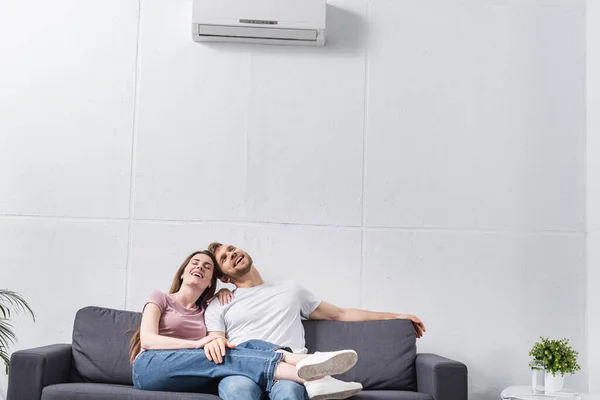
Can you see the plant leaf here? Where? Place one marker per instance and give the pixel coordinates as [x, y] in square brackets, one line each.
[9, 298]
[4, 356]
[10, 302]
[7, 335]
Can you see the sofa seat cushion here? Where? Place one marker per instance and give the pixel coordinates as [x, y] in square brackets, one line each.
[390, 395]
[105, 391]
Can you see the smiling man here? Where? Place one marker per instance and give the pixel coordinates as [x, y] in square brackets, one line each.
[272, 312]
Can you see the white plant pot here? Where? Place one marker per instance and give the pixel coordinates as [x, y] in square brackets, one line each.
[553, 383]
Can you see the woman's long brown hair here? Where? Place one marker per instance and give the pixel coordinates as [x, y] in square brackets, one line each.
[136, 344]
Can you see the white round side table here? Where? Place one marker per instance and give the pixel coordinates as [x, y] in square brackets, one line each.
[525, 393]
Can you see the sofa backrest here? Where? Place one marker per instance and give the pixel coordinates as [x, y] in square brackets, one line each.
[101, 344]
[386, 349]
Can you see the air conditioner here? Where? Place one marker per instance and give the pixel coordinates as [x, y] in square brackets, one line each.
[290, 22]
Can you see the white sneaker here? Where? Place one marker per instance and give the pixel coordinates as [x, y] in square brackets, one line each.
[327, 363]
[331, 388]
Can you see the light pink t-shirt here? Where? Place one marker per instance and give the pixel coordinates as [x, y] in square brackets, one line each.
[177, 321]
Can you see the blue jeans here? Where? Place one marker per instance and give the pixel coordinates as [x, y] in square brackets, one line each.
[239, 387]
[242, 388]
[189, 370]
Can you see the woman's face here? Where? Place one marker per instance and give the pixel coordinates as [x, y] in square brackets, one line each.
[199, 271]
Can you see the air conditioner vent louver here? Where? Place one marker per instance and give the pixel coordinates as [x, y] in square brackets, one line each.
[256, 33]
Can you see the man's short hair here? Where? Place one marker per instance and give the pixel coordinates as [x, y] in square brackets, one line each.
[213, 247]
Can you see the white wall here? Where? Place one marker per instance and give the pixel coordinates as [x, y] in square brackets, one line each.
[428, 160]
[593, 189]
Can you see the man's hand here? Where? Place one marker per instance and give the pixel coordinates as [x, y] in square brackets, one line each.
[417, 323]
[215, 349]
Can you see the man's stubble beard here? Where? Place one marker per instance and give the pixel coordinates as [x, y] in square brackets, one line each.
[242, 272]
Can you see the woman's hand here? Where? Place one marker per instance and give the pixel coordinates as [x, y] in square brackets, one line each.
[200, 344]
[216, 348]
[224, 295]
[417, 323]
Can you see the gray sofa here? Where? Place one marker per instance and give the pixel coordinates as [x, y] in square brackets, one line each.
[96, 365]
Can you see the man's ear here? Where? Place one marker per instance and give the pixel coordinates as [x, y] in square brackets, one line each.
[225, 279]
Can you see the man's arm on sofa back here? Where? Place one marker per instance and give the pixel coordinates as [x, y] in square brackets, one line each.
[441, 378]
[32, 370]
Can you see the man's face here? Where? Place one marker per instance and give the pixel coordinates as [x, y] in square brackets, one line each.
[234, 262]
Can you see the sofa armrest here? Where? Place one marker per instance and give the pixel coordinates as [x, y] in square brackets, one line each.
[441, 378]
[32, 370]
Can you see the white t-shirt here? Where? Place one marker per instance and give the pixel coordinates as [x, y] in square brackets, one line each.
[272, 312]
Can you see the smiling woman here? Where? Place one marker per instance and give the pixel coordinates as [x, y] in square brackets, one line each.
[193, 264]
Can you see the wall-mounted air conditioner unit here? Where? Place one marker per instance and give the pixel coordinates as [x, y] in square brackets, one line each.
[293, 22]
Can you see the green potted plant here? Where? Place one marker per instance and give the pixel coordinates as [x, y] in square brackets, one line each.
[558, 358]
[10, 303]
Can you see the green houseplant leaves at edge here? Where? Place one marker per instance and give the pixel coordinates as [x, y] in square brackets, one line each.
[10, 303]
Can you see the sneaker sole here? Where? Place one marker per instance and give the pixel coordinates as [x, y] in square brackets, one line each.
[337, 364]
[338, 395]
